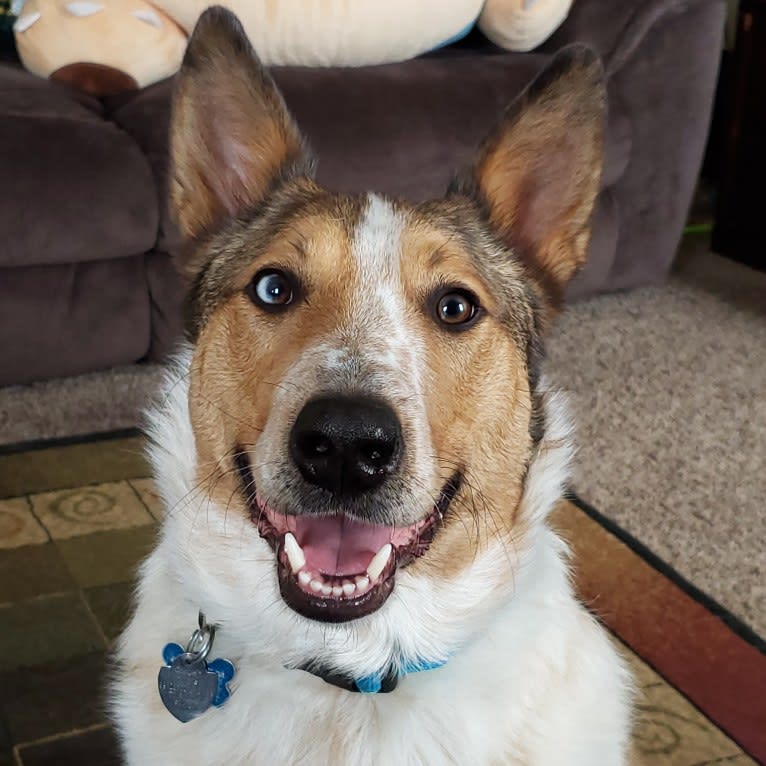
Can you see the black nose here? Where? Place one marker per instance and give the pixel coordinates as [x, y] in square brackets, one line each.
[346, 445]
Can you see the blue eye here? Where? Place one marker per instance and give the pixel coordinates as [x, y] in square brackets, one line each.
[272, 289]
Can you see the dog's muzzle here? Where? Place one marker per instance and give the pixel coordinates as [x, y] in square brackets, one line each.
[336, 560]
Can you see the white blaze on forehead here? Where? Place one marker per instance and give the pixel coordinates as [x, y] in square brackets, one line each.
[375, 349]
[387, 343]
[378, 311]
[376, 247]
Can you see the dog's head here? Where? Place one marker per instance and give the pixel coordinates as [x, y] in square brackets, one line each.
[363, 389]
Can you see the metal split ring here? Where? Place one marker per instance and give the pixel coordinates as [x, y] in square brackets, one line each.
[201, 641]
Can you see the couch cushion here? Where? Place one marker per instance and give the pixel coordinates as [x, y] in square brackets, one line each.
[145, 116]
[602, 248]
[76, 187]
[166, 296]
[403, 128]
[67, 319]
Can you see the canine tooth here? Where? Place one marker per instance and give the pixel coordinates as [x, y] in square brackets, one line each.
[316, 586]
[304, 578]
[294, 553]
[337, 590]
[379, 561]
[362, 583]
[348, 587]
[326, 590]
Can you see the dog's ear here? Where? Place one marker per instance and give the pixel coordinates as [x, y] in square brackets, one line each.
[537, 176]
[232, 138]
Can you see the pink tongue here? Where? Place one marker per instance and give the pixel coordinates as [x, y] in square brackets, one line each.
[337, 545]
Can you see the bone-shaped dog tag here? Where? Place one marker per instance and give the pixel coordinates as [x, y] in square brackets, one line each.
[188, 685]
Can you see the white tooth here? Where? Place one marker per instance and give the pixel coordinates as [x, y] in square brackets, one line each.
[326, 590]
[304, 578]
[294, 553]
[348, 587]
[337, 590]
[379, 561]
[362, 583]
[316, 586]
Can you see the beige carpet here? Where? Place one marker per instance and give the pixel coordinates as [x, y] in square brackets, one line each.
[667, 386]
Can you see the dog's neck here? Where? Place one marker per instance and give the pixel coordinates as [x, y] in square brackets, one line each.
[384, 681]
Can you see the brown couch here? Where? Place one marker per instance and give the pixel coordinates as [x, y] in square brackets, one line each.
[86, 281]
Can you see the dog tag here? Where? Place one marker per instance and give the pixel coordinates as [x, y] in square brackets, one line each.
[188, 685]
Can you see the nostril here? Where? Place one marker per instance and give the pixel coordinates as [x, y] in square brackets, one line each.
[315, 445]
[377, 455]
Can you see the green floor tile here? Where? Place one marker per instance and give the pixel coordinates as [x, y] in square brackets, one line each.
[32, 570]
[106, 558]
[47, 629]
[73, 465]
[111, 604]
[53, 699]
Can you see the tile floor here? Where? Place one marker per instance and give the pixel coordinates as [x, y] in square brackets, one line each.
[67, 558]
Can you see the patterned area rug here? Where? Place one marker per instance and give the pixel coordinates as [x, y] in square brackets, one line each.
[75, 518]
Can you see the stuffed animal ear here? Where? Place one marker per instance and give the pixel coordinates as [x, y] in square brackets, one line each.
[232, 138]
[537, 176]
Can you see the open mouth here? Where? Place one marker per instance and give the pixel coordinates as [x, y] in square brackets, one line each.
[339, 568]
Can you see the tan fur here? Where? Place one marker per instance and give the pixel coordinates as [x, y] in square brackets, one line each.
[530, 678]
[231, 136]
[537, 176]
[478, 403]
[243, 354]
[539, 172]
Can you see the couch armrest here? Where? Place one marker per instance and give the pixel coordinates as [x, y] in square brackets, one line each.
[661, 59]
[617, 28]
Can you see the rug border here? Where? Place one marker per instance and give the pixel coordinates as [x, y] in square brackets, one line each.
[740, 628]
[36, 445]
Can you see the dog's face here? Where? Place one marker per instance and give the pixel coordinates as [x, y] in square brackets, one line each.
[363, 386]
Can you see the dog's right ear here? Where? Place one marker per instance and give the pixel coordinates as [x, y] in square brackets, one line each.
[232, 138]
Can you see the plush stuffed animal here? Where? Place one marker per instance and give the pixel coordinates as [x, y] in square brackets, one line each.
[103, 47]
[340, 32]
[108, 46]
[521, 25]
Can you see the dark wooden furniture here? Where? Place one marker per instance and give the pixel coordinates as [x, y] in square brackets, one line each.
[740, 227]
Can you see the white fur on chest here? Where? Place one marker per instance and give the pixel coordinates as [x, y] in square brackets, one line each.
[541, 686]
[533, 681]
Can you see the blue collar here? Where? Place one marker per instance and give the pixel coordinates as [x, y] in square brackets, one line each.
[381, 682]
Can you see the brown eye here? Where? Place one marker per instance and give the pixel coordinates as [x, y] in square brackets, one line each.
[456, 307]
[272, 289]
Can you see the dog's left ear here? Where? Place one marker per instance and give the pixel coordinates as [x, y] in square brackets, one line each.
[232, 138]
[537, 176]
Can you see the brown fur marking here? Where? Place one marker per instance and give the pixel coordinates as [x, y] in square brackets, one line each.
[232, 138]
[513, 233]
[537, 175]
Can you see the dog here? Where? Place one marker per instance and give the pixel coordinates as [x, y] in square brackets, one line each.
[357, 451]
